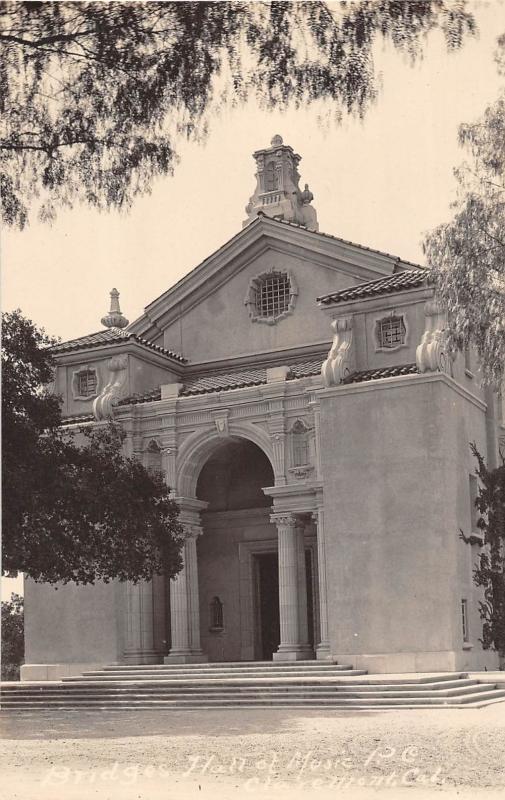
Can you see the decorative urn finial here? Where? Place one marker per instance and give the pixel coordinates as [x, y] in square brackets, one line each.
[114, 319]
[306, 196]
[276, 140]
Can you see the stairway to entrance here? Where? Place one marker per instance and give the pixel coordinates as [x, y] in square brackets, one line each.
[303, 684]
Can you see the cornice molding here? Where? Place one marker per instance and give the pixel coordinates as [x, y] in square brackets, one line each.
[217, 401]
[126, 347]
[403, 380]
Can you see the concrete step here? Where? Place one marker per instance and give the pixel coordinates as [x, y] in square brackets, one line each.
[135, 694]
[308, 684]
[216, 676]
[210, 679]
[232, 675]
[161, 668]
[257, 702]
[313, 663]
[73, 690]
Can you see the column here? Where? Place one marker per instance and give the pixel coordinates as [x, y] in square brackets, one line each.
[292, 591]
[323, 648]
[184, 605]
[140, 641]
[160, 613]
[302, 584]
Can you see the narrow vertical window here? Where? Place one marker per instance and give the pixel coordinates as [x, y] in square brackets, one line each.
[300, 451]
[86, 383]
[464, 620]
[153, 457]
[216, 614]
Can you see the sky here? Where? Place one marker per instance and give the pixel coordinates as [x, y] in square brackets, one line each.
[382, 182]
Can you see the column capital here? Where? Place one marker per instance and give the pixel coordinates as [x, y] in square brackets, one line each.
[190, 509]
[190, 530]
[285, 518]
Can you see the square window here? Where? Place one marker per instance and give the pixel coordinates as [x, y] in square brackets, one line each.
[391, 332]
[86, 383]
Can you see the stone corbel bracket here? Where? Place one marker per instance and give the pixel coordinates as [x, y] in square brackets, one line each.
[117, 367]
[433, 353]
[340, 361]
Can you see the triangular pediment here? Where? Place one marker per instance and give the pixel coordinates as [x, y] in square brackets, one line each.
[352, 263]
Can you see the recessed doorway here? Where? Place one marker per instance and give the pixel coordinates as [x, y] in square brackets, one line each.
[266, 573]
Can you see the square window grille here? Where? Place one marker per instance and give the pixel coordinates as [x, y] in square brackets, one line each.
[391, 332]
[86, 383]
[272, 295]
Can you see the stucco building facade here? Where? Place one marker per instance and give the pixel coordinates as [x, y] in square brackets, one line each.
[296, 391]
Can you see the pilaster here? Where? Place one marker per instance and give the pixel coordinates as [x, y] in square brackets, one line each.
[323, 647]
[276, 424]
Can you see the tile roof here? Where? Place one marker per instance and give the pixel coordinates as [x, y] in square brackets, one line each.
[338, 239]
[382, 372]
[208, 384]
[205, 384]
[225, 381]
[112, 336]
[410, 279]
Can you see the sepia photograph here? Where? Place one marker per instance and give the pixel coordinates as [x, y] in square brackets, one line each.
[253, 399]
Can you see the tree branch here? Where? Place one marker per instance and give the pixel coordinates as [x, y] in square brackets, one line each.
[62, 37]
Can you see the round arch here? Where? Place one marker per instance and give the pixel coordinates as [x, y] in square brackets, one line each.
[198, 447]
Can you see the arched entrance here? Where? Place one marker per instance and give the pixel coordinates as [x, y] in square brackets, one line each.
[238, 569]
[246, 590]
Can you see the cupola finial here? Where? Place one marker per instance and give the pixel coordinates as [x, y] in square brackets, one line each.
[114, 319]
[277, 192]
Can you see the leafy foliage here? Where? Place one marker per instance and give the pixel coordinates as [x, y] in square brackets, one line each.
[467, 254]
[94, 95]
[490, 570]
[73, 510]
[13, 644]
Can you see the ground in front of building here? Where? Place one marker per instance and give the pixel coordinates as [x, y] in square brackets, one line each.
[267, 753]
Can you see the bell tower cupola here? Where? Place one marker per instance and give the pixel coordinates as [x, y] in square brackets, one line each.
[277, 192]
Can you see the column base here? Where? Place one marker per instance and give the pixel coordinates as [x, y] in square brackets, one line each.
[301, 653]
[323, 652]
[186, 658]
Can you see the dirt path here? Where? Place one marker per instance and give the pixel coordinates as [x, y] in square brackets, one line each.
[218, 755]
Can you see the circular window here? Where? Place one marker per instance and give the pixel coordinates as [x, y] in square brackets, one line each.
[271, 296]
